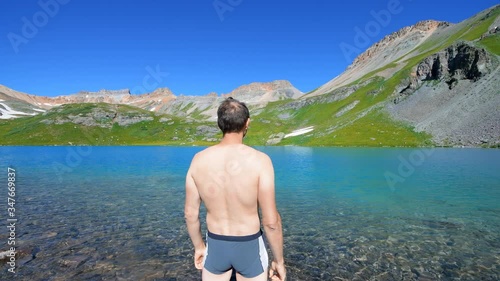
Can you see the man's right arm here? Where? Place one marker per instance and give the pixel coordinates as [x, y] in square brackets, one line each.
[191, 213]
[271, 219]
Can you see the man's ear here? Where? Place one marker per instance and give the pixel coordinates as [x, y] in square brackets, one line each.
[248, 123]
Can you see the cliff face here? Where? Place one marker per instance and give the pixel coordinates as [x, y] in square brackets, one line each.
[461, 61]
[458, 62]
[454, 96]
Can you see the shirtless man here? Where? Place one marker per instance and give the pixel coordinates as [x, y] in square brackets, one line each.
[233, 181]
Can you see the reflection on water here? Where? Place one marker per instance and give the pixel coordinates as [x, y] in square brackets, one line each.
[118, 214]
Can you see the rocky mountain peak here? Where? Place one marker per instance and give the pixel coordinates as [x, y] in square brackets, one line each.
[400, 39]
[391, 48]
[259, 86]
[161, 92]
[258, 92]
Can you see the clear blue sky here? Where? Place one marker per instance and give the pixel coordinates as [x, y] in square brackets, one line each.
[115, 44]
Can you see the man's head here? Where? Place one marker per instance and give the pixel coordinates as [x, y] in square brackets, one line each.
[232, 116]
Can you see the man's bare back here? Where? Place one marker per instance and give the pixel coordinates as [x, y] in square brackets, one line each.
[227, 178]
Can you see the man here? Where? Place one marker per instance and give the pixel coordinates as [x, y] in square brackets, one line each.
[233, 181]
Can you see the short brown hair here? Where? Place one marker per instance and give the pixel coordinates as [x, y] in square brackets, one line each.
[232, 116]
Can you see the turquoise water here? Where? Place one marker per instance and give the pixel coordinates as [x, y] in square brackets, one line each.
[116, 213]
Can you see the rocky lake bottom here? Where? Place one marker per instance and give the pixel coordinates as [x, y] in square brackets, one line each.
[112, 218]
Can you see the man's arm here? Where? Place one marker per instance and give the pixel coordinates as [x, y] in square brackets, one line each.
[191, 214]
[271, 219]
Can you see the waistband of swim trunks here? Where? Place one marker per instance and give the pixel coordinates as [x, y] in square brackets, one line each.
[235, 238]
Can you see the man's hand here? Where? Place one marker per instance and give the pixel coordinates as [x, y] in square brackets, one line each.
[199, 255]
[277, 272]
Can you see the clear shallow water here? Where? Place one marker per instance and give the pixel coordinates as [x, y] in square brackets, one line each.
[116, 213]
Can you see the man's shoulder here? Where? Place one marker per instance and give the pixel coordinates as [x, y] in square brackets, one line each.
[202, 154]
[207, 153]
[242, 150]
[252, 154]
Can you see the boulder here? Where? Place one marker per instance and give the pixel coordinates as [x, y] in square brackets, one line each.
[275, 138]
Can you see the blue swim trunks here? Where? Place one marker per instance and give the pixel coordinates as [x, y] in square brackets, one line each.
[245, 254]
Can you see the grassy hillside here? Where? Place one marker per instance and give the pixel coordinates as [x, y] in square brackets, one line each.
[492, 44]
[34, 130]
[374, 129]
[364, 125]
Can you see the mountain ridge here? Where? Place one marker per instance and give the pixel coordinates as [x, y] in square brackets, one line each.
[405, 40]
[162, 100]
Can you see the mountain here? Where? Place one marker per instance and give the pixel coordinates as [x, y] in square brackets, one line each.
[433, 83]
[392, 48]
[438, 78]
[161, 100]
[255, 95]
[15, 104]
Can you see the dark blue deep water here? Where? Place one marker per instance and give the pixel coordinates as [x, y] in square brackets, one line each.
[116, 213]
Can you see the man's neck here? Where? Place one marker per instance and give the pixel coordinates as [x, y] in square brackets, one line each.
[232, 138]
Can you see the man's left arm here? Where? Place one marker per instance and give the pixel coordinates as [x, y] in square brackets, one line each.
[191, 214]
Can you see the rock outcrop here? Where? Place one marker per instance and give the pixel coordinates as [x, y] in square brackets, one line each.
[461, 61]
[103, 117]
[454, 96]
[275, 138]
[106, 96]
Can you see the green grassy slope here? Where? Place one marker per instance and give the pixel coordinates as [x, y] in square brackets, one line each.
[32, 131]
[492, 44]
[365, 125]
